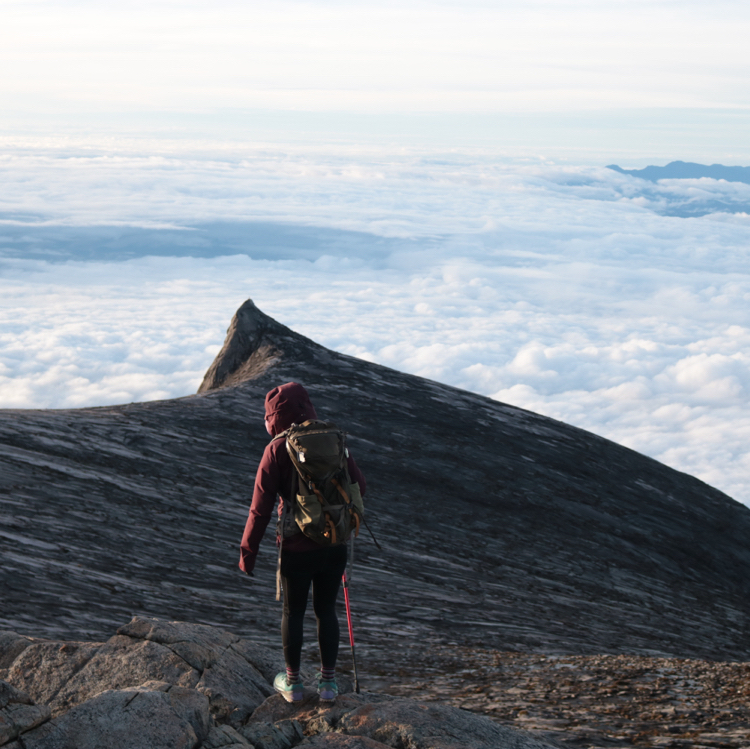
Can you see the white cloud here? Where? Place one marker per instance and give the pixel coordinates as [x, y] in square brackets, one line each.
[544, 286]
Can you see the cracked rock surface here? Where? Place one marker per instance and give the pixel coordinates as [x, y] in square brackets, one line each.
[530, 701]
[119, 710]
[594, 701]
[212, 662]
[18, 713]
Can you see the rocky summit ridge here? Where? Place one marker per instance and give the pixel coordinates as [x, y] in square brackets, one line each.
[500, 528]
[515, 549]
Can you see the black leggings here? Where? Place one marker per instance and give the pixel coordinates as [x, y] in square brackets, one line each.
[323, 568]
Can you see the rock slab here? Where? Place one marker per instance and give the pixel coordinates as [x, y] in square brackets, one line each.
[210, 696]
[18, 713]
[153, 716]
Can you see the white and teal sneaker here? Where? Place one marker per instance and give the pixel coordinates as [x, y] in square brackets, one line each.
[290, 692]
[327, 689]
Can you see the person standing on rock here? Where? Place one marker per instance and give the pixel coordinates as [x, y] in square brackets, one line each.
[303, 561]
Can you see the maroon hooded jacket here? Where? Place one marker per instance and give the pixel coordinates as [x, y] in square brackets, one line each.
[285, 405]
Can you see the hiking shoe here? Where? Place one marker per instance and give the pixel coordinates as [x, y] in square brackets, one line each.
[327, 689]
[290, 692]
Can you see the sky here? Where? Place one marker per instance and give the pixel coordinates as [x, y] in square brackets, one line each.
[367, 57]
[419, 184]
[570, 77]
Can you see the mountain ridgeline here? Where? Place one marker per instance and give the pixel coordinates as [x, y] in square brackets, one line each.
[688, 170]
[500, 528]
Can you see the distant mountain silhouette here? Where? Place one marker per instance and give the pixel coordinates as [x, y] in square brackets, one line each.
[688, 170]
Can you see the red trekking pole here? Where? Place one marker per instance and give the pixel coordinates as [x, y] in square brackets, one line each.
[351, 632]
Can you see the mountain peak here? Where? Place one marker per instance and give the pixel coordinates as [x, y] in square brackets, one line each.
[253, 343]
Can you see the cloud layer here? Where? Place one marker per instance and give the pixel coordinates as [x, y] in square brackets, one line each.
[561, 289]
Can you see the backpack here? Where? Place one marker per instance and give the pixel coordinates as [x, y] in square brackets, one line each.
[327, 505]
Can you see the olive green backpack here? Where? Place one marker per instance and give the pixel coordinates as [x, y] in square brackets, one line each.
[326, 504]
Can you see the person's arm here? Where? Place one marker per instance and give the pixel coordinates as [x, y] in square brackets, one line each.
[264, 499]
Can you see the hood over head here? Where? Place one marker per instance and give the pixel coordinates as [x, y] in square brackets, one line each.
[286, 405]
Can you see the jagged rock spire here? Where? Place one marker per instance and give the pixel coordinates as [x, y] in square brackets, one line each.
[253, 344]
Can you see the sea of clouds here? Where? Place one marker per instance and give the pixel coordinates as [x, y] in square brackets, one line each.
[611, 303]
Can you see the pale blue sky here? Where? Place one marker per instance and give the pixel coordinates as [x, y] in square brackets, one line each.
[438, 57]
[245, 65]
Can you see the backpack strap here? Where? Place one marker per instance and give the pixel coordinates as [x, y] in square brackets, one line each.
[281, 546]
[354, 512]
[294, 459]
[281, 435]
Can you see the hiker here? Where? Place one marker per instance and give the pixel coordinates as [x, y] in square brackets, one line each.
[302, 562]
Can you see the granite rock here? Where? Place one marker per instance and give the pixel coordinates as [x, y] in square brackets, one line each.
[184, 712]
[340, 741]
[199, 645]
[43, 669]
[12, 694]
[283, 734]
[212, 661]
[405, 724]
[153, 716]
[234, 687]
[123, 662]
[18, 713]
[390, 721]
[228, 677]
[11, 646]
[268, 662]
[225, 737]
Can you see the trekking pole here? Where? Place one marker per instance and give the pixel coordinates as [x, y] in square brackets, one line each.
[351, 632]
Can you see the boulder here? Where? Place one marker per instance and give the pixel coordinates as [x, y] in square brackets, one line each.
[268, 662]
[44, 668]
[18, 713]
[405, 724]
[156, 715]
[217, 663]
[120, 663]
[188, 686]
[11, 646]
[197, 644]
[340, 741]
[225, 737]
[280, 735]
[234, 688]
[228, 675]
